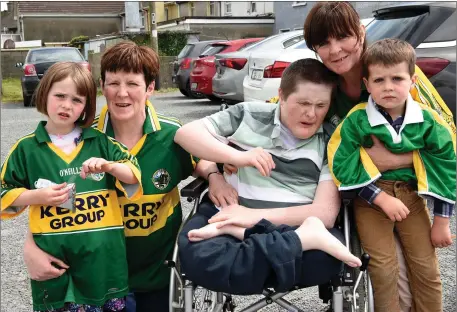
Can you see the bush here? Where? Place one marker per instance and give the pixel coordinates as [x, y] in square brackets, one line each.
[170, 42]
[78, 42]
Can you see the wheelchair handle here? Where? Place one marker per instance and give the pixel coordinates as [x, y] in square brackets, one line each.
[365, 259]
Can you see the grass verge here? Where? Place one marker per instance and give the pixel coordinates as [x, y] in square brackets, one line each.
[11, 90]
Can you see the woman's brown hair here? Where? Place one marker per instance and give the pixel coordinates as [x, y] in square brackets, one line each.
[85, 86]
[331, 20]
[127, 56]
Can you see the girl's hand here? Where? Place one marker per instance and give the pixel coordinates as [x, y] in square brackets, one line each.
[441, 234]
[54, 195]
[94, 165]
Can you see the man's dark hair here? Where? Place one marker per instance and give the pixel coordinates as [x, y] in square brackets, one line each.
[308, 69]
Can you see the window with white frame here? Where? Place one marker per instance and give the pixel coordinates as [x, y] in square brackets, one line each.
[228, 8]
[191, 9]
[212, 8]
[142, 19]
[166, 14]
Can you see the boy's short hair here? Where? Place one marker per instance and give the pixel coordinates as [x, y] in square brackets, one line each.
[310, 70]
[129, 57]
[85, 86]
[389, 52]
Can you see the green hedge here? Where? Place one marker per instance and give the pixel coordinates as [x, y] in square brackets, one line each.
[170, 42]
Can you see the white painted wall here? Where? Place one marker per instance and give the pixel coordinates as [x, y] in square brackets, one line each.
[241, 8]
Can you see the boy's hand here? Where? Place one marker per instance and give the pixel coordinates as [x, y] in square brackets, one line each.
[54, 195]
[392, 207]
[258, 158]
[441, 234]
[94, 165]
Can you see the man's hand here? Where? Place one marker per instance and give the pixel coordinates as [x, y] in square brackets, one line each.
[237, 215]
[386, 160]
[94, 165]
[220, 192]
[392, 207]
[54, 195]
[258, 158]
[40, 264]
[441, 234]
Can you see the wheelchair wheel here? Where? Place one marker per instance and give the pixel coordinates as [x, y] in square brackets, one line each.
[203, 300]
[364, 290]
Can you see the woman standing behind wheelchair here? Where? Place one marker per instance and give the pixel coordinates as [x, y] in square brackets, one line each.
[333, 31]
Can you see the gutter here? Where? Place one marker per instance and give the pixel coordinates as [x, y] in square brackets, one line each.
[69, 15]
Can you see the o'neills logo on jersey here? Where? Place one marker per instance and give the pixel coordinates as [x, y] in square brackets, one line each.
[70, 171]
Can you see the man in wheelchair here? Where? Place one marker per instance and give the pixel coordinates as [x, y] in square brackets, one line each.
[276, 237]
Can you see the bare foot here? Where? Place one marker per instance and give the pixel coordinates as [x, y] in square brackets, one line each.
[206, 232]
[314, 235]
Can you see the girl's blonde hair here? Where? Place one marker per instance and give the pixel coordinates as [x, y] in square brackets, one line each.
[85, 86]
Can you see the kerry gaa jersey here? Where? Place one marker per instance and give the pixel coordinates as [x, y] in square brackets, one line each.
[152, 222]
[423, 132]
[91, 239]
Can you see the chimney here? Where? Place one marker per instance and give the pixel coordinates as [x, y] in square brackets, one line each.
[132, 16]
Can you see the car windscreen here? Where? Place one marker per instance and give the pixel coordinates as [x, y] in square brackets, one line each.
[412, 24]
[54, 55]
[185, 51]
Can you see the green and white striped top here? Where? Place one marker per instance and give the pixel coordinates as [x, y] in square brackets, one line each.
[300, 164]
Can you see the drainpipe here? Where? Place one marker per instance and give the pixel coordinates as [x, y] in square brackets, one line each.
[21, 20]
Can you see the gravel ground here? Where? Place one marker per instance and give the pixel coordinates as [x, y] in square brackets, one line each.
[16, 121]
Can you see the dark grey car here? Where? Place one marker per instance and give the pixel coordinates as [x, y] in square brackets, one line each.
[431, 29]
[182, 67]
[37, 63]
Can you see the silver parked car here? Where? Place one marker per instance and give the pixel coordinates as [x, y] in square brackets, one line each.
[231, 67]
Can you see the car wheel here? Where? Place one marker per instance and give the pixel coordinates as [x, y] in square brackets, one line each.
[214, 99]
[183, 92]
[27, 100]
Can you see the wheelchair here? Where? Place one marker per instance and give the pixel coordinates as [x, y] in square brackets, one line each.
[349, 292]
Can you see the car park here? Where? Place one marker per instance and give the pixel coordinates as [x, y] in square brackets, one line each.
[38, 61]
[182, 66]
[203, 68]
[231, 68]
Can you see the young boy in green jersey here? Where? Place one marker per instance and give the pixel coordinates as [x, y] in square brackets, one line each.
[390, 201]
[86, 232]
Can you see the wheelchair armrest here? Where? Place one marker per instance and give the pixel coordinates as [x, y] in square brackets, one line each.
[195, 188]
[349, 195]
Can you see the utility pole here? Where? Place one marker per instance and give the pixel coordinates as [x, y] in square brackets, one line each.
[153, 26]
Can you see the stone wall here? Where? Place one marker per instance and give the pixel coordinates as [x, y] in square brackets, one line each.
[9, 60]
[63, 29]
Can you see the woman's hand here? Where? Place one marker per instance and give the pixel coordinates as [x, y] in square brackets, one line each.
[220, 192]
[41, 265]
[386, 160]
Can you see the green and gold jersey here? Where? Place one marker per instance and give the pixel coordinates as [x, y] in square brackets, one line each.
[90, 239]
[152, 222]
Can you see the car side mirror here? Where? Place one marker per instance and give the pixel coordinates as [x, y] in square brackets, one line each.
[19, 64]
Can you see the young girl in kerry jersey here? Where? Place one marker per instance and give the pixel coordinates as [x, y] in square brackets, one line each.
[38, 172]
